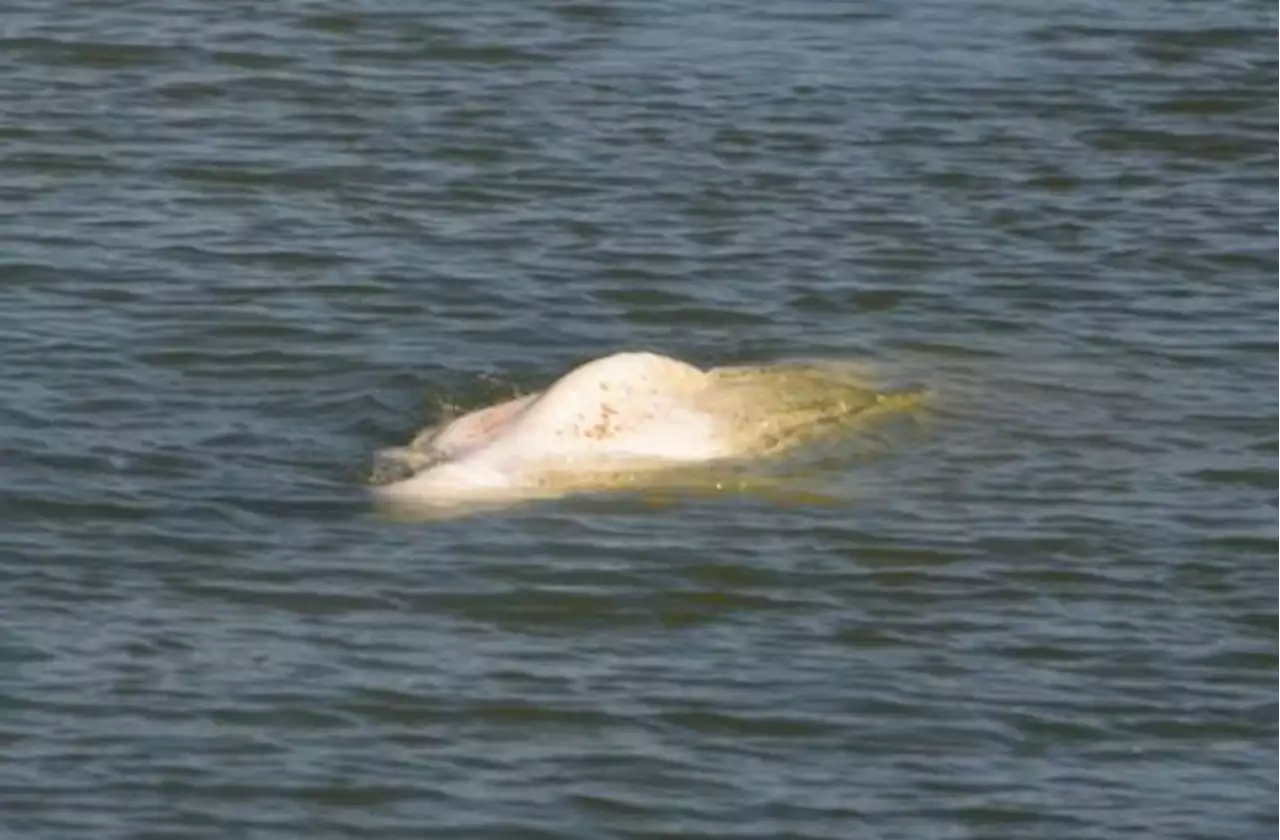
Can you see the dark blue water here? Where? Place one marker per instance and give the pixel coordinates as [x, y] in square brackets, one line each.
[242, 246]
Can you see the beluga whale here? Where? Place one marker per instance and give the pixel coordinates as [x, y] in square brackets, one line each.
[629, 421]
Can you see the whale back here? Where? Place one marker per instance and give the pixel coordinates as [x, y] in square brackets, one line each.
[628, 406]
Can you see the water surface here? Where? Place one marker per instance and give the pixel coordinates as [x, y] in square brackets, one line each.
[245, 245]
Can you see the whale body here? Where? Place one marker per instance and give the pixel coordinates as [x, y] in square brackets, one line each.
[618, 421]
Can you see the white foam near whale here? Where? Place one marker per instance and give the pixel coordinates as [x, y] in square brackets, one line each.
[622, 420]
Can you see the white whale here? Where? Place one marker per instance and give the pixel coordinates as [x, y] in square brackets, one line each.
[624, 420]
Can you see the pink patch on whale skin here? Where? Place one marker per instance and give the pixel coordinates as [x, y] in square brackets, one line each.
[477, 428]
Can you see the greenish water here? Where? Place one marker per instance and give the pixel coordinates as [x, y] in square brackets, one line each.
[243, 246]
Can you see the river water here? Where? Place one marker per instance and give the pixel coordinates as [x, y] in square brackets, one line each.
[244, 245]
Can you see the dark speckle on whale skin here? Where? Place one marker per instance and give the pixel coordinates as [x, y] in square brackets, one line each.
[604, 427]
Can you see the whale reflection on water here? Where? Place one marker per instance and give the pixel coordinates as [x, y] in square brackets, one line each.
[631, 420]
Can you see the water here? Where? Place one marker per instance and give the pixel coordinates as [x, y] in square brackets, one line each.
[245, 245]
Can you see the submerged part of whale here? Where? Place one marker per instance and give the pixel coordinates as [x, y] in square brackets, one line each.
[622, 421]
